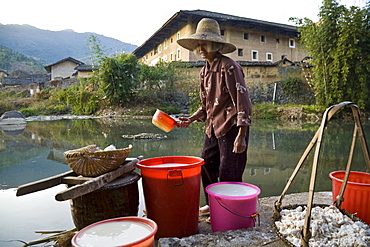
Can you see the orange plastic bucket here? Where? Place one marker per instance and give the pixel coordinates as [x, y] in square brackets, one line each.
[163, 121]
[122, 232]
[171, 187]
[356, 195]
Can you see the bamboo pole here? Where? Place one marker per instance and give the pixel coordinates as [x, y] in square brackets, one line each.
[317, 140]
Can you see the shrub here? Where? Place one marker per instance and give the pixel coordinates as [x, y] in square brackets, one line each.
[29, 111]
[292, 86]
[6, 106]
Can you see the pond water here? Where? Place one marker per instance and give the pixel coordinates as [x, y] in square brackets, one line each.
[37, 152]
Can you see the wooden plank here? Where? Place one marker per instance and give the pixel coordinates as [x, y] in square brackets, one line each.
[75, 180]
[95, 183]
[52, 181]
[42, 184]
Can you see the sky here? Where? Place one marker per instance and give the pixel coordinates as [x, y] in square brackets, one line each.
[135, 21]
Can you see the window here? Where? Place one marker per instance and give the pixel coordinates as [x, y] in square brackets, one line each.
[165, 44]
[291, 43]
[263, 39]
[222, 32]
[171, 40]
[268, 56]
[277, 40]
[171, 57]
[178, 54]
[159, 48]
[178, 35]
[246, 36]
[240, 52]
[255, 55]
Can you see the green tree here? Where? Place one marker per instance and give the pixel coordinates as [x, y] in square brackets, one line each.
[118, 76]
[162, 75]
[339, 45]
[97, 51]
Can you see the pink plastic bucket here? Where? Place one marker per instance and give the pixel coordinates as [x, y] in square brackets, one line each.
[356, 195]
[233, 205]
[120, 232]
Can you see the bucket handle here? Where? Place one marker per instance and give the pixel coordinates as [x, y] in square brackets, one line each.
[253, 216]
[173, 174]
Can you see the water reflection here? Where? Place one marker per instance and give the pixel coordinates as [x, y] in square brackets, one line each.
[37, 152]
[13, 130]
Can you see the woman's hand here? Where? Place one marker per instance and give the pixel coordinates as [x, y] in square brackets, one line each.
[184, 122]
[240, 144]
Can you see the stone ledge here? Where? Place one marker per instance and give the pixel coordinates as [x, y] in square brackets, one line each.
[262, 235]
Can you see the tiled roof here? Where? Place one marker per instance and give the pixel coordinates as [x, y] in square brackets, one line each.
[84, 67]
[7, 81]
[257, 63]
[201, 63]
[40, 78]
[223, 17]
[11, 81]
[196, 15]
[48, 68]
[266, 63]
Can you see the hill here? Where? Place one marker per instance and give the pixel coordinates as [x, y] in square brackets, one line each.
[52, 46]
[11, 61]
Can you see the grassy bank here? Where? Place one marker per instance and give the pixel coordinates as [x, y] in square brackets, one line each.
[49, 103]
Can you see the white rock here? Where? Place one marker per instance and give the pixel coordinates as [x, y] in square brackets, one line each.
[329, 227]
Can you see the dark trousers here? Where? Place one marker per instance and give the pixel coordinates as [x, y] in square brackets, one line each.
[220, 163]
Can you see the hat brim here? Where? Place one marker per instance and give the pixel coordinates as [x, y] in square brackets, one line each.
[192, 43]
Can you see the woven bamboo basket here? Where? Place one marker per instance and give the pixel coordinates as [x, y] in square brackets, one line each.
[91, 161]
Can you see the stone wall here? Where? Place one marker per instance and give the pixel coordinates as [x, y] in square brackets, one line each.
[264, 92]
[61, 83]
[35, 87]
[263, 82]
[305, 93]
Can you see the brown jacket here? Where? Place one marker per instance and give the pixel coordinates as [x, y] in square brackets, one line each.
[224, 96]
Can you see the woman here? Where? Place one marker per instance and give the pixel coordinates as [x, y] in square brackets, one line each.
[226, 107]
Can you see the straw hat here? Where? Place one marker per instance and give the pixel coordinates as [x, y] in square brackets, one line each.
[207, 30]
